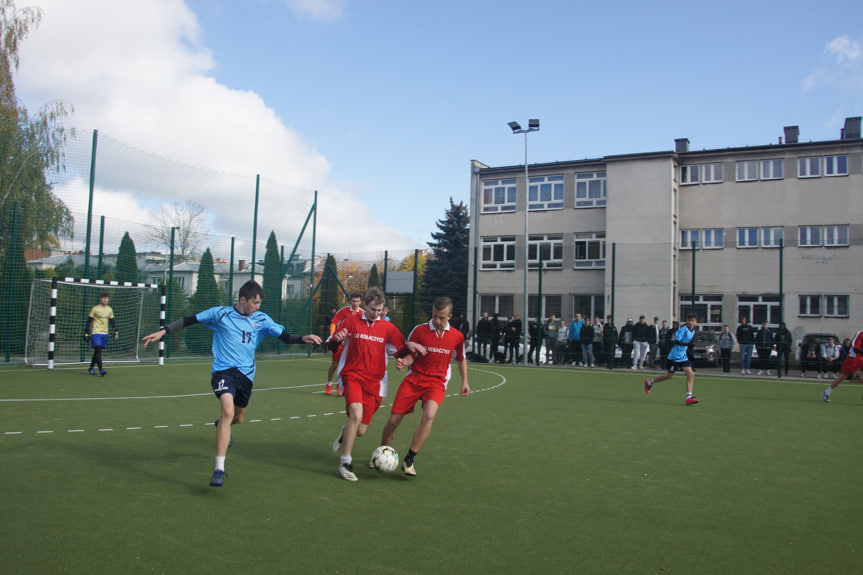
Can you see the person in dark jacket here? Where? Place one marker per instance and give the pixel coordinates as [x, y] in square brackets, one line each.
[764, 346]
[624, 338]
[783, 339]
[640, 343]
[746, 341]
[609, 341]
[587, 334]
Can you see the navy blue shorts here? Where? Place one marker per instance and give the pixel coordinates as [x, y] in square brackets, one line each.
[99, 340]
[675, 366]
[234, 382]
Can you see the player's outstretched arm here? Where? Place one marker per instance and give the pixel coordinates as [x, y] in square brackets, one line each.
[153, 337]
[416, 347]
[311, 338]
[170, 328]
[462, 369]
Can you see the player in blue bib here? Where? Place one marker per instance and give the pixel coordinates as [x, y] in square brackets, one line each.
[237, 331]
[678, 359]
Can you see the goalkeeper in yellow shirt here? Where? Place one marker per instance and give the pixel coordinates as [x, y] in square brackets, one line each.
[99, 321]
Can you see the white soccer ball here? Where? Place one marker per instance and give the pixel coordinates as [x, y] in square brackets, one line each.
[385, 459]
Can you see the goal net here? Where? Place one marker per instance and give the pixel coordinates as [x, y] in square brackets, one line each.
[58, 314]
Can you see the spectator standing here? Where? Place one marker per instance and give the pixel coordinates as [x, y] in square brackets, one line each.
[496, 333]
[483, 334]
[534, 332]
[513, 338]
[653, 341]
[763, 346]
[625, 340]
[575, 340]
[640, 343]
[560, 350]
[746, 341]
[609, 341]
[552, 325]
[665, 335]
[783, 339]
[597, 337]
[726, 344]
[587, 335]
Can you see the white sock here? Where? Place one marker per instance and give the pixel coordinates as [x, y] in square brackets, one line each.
[346, 459]
[688, 394]
[220, 463]
[829, 390]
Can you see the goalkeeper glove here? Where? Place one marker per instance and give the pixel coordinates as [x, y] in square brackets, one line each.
[116, 335]
[87, 337]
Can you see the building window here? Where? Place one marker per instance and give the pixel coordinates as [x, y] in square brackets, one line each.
[836, 235]
[810, 306]
[551, 248]
[502, 305]
[836, 306]
[809, 236]
[551, 304]
[714, 239]
[836, 166]
[498, 253]
[690, 238]
[713, 173]
[808, 167]
[708, 308]
[759, 309]
[747, 171]
[772, 237]
[590, 190]
[589, 250]
[747, 237]
[498, 196]
[689, 175]
[546, 193]
[589, 306]
[772, 169]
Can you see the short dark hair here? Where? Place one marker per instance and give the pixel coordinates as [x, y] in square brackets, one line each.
[104, 294]
[356, 294]
[250, 289]
[691, 316]
[375, 296]
[442, 303]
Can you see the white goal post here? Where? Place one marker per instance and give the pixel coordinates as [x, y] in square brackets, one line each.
[57, 316]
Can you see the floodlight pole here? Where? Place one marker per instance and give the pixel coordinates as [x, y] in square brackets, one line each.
[532, 126]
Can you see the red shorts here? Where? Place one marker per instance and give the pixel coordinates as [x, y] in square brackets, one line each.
[415, 388]
[337, 354]
[355, 393]
[852, 365]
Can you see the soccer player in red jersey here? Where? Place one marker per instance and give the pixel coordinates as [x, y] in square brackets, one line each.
[427, 377]
[363, 371]
[852, 364]
[339, 317]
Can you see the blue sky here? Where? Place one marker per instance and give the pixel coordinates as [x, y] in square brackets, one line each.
[381, 104]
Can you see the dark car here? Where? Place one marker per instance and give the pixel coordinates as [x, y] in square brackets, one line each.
[706, 348]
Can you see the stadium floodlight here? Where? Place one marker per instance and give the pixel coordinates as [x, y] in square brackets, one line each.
[532, 126]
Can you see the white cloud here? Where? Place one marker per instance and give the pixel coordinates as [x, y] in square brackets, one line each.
[845, 50]
[841, 68]
[139, 73]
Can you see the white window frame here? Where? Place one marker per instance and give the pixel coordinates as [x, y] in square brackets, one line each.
[493, 246]
[770, 237]
[809, 306]
[809, 167]
[749, 241]
[773, 169]
[834, 304]
[553, 254]
[837, 236]
[809, 236]
[591, 190]
[747, 170]
[507, 187]
[714, 239]
[713, 173]
[835, 166]
[686, 237]
[690, 175]
[591, 244]
[545, 193]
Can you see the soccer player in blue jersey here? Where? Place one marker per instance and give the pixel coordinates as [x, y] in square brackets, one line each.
[238, 331]
[678, 359]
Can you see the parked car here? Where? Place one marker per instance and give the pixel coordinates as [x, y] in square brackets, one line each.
[706, 348]
[817, 339]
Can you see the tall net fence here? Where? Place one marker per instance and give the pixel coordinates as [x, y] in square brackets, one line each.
[174, 214]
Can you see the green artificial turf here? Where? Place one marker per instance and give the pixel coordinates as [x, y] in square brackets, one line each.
[540, 470]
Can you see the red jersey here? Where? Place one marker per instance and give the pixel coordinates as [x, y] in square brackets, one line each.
[340, 316]
[856, 344]
[442, 349]
[365, 354]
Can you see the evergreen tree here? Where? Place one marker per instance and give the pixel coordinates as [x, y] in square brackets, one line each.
[328, 292]
[199, 339]
[374, 278]
[446, 273]
[127, 262]
[15, 286]
[272, 282]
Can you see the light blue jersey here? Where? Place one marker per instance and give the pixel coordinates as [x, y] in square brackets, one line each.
[683, 335]
[237, 337]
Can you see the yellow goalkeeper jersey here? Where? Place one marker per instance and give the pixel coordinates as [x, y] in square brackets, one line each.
[100, 314]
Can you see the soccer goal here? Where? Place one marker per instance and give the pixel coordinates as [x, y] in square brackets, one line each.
[58, 313]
